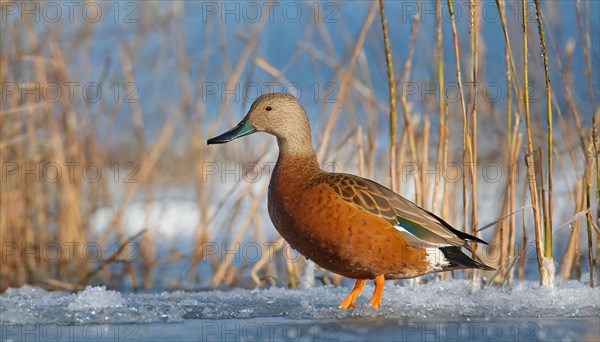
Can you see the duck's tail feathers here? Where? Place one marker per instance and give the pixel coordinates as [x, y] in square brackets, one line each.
[458, 259]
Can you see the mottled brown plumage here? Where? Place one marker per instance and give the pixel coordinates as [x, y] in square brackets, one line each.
[346, 224]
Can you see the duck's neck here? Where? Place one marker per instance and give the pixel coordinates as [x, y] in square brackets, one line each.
[297, 155]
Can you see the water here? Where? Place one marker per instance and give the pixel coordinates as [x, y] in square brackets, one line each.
[282, 329]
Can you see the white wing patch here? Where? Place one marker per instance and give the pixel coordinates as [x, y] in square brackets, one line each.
[433, 255]
[436, 258]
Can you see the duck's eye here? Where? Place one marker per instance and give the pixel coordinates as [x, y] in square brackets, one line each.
[268, 109]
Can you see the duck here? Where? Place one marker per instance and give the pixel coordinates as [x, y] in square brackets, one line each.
[346, 224]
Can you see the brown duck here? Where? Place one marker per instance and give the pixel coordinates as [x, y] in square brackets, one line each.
[346, 224]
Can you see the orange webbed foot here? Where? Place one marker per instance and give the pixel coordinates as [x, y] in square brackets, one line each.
[376, 299]
[349, 301]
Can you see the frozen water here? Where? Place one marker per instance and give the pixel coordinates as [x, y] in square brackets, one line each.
[434, 311]
[96, 298]
[434, 300]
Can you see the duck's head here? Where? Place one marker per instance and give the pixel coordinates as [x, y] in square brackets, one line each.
[278, 114]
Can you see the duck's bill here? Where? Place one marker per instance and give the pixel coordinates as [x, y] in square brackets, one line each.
[242, 129]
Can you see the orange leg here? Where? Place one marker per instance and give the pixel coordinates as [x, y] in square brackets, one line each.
[376, 299]
[349, 301]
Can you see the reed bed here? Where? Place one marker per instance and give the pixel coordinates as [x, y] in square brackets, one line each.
[50, 149]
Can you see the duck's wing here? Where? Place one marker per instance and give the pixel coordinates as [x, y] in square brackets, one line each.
[417, 225]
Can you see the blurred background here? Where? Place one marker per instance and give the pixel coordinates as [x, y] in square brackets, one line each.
[107, 106]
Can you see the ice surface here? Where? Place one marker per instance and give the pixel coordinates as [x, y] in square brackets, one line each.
[450, 299]
[96, 298]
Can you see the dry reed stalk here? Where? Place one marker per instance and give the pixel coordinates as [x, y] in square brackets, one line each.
[401, 158]
[515, 81]
[522, 261]
[505, 257]
[508, 97]
[587, 181]
[392, 95]
[147, 253]
[544, 271]
[136, 112]
[257, 223]
[404, 75]
[361, 152]
[545, 210]
[57, 284]
[548, 214]
[449, 191]
[424, 164]
[370, 107]
[442, 148]
[499, 237]
[597, 162]
[230, 277]
[371, 151]
[474, 44]
[512, 190]
[319, 56]
[544, 278]
[571, 255]
[467, 152]
[352, 120]
[444, 206]
[344, 77]
[270, 69]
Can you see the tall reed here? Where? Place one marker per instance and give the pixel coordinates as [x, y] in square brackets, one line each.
[545, 275]
[550, 156]
[392, 95]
